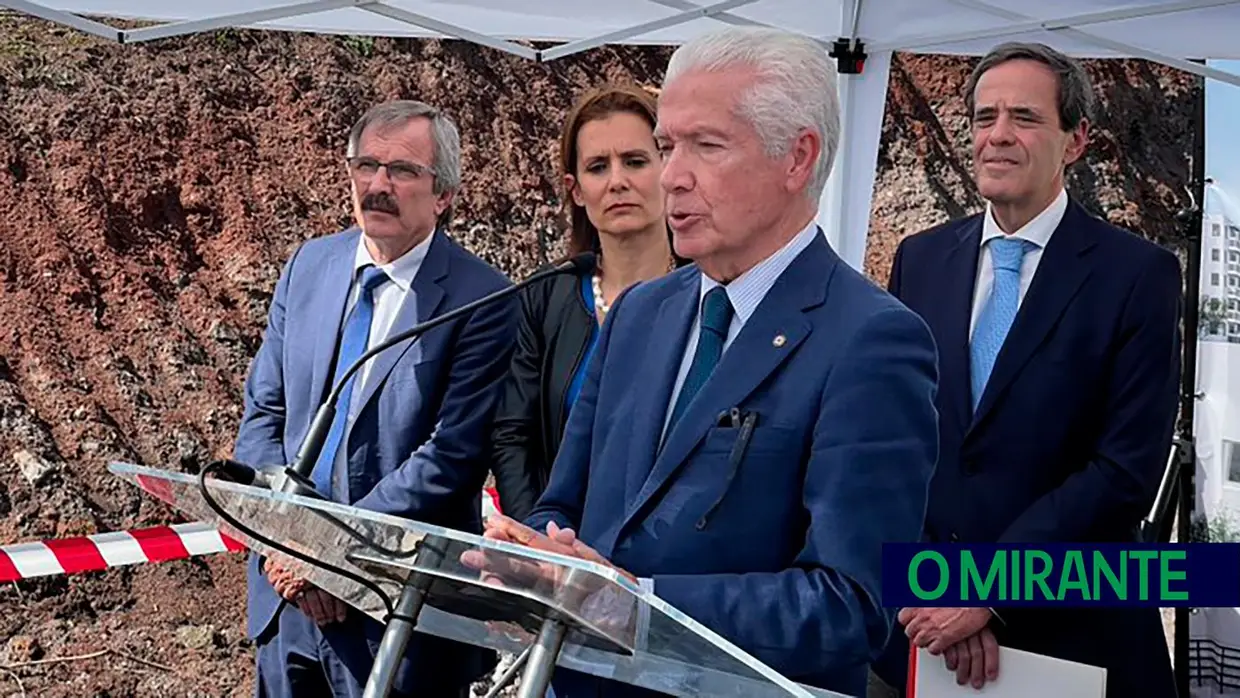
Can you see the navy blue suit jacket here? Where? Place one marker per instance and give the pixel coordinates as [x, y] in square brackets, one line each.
[788, 566]
[1073, 432]
[417, 449]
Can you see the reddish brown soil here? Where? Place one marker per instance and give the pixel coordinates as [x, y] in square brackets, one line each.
[151, 193]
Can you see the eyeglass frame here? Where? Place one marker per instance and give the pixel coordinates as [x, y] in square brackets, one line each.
[418, 170]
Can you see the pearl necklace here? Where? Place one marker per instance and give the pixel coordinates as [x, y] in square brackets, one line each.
[600, 304]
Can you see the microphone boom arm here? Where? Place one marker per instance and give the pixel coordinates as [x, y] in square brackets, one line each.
[312, 445]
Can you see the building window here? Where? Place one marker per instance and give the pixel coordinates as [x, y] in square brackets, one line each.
[1216, 229]
[1214, 257]
[1214, 279]
[1231, 456]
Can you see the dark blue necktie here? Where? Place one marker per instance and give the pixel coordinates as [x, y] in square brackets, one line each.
[713, 332]
[353, 343]
[1007, 255]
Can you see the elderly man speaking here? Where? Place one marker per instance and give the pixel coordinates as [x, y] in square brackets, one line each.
[756, 425]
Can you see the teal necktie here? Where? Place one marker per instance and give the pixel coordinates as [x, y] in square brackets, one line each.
[713, 332]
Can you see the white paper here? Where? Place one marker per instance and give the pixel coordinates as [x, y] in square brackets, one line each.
[1021, 675]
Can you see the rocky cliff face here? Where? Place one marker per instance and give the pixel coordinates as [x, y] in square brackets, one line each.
[152, 192]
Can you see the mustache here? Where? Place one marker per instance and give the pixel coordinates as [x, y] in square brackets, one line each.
[380, 201]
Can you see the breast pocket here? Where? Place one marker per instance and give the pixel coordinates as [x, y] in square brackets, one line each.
[740, 477]
[764, 440]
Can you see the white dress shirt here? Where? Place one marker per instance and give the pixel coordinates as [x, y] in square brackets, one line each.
[745, 294]
[389, 297]
[1038, 231]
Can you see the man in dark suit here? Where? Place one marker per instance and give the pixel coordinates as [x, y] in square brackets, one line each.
[755, 425]
[1059, 350]
[411, 427]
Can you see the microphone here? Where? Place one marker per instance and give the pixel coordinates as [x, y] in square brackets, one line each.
[297, 475]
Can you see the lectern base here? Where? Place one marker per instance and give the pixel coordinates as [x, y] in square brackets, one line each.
[400, 626]
[541, 664]
[509, 674]
[396, 638]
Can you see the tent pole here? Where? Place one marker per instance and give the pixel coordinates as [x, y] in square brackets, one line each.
[1188, 378]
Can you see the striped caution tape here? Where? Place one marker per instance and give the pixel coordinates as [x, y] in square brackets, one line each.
[104, 550]
[490, 502]
[157, 544]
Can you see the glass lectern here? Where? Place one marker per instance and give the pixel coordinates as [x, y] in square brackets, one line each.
[551, 609]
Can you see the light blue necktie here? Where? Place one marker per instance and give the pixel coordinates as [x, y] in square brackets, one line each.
[997, 315]
[716, 317]
[353, 343]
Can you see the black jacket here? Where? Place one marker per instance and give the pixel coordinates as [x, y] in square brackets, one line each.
[553, 335]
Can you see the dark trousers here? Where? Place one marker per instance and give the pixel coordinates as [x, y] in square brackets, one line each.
[300, 660]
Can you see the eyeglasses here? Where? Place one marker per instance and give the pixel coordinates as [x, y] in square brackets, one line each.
[365, 168]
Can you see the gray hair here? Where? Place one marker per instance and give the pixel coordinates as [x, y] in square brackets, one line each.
[444, 136]
[795, 88]
[1076, 94]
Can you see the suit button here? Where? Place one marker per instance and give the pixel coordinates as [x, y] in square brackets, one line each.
[969, 467]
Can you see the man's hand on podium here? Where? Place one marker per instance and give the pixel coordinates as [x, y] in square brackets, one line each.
[318, 605]
[594, 598]
[562, 541]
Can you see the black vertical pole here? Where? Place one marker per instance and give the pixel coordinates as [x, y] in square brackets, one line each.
[1188, 379]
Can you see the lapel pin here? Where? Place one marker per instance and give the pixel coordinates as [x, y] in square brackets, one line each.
[779, 340]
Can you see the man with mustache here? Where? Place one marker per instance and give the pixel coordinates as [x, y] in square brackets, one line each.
[410, 428]
[1059, 357]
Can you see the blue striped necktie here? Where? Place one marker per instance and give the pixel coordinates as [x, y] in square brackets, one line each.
[353, 343]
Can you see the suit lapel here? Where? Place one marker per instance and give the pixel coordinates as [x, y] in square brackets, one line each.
[1064, 266]
[333, 290]
[753, 356]
[428, 294]
[952, 317]
[658, 370]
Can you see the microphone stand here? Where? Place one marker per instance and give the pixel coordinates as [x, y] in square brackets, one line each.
[295, 479]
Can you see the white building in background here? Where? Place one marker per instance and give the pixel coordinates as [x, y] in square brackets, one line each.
[1214, 645]
[1220, 279]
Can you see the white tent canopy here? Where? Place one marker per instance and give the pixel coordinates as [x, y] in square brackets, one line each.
[1170, 32]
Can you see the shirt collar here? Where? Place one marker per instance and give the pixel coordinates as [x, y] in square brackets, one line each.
[401, 270]
[746, 291]
[1038, 231]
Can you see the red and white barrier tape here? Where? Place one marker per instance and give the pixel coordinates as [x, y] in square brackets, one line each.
[490, 502]
[104, 550]
[158, 544]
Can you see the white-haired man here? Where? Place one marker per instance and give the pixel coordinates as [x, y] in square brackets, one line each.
[755, 425]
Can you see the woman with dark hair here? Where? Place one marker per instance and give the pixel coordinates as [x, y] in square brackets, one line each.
[615, 207]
